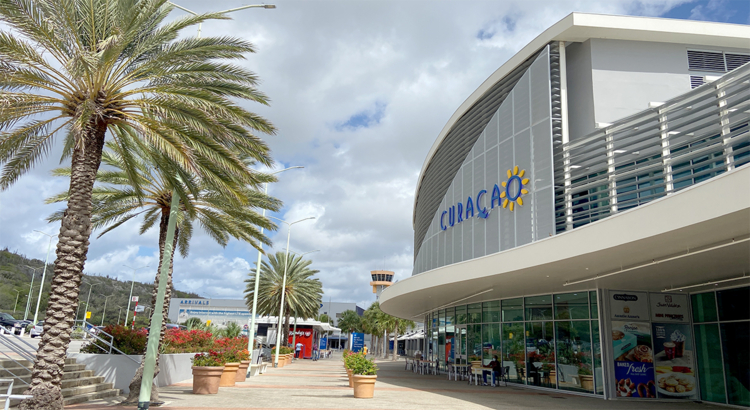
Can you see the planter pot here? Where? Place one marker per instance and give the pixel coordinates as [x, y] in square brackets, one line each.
[206, 379]
[349, 375]
[282, 360]
[242, 371]
[587, 381]
[254, 370]
[229, 375]
[289, 358]
[364, 386]
[553, 377]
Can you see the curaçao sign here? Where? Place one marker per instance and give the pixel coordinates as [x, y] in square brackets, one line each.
[509, 196]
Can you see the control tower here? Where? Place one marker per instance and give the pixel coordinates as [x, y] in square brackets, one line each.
[381, 279]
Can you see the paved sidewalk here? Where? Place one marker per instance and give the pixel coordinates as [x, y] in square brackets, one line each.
[323, 385]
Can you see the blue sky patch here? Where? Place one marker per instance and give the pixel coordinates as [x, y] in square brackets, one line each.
[364, 119]
[725, 11]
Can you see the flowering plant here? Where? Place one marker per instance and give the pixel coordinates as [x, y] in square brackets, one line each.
[210, 359]
[187, 341]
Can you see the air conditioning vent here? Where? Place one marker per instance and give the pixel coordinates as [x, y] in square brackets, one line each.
[736, 60]
[696, 81]
[706, 61]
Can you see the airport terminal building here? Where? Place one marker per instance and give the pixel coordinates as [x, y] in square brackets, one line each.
[585, 215]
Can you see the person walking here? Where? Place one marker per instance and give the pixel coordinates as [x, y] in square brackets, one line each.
[364, 350]
[298, 350]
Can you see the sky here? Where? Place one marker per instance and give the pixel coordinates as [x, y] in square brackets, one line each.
[359, 92]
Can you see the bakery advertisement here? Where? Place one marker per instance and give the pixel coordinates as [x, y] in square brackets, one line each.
[667, 308]
[634, 367]
[626, 305]
[673, 361]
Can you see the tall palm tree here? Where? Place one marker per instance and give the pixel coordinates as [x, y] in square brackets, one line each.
[349, 322]
[116, 202]
[75, 69]
[303, 292]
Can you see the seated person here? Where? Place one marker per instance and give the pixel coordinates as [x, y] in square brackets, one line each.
[496, 369]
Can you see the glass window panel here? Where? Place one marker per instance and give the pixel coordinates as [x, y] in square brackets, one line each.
[704, 307]
[512, 310]
[596, 348]
[474, 342]
[492, 342]
[442, 317]
[441, 346]
[594, 305]
[491, 312]
[538, 307]
[461, 315]
[450, 316]
[572, 306]
[540, 357]
[735, 338]
[734, 304]
[574, 370]
[514, 351]
[475, 313]
[710, 368]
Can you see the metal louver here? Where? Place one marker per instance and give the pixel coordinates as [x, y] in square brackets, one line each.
[706, 61]
[734, 61]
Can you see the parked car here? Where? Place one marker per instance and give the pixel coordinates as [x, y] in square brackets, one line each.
[94, 330]
[37, 329]
[176, 326]
[7, 321]
[20, 325]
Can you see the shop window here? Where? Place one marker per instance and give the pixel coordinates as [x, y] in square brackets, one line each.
[514, 348]
[540, 353]
[512, 310]
[474, 336]
[594, 305]
[441, 315]
[474, 313]
[491, 311]
[735, 339]
[572, 306]
[704, 307]
[538, 307]
[490, 342]
[710, 368]
[574, 371]
[734, 304]
[596, 349]
[461, 315]
[450, 316]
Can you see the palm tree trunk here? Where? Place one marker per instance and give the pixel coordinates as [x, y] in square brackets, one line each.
[135, 384]
[395, 343]
[72, 248]
[385, 344]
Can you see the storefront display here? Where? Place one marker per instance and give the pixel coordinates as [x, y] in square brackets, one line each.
[634, 368]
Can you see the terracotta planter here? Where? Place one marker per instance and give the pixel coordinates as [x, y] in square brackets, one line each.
[206, 379]
[242, 371]
[349, 375]
[282, 360]
[289, 358]
[587, 381]
[230, 375]
[364, 386]
[553, 377]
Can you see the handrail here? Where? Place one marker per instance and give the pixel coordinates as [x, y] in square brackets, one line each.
[96, 336]
[15, 348]
[9, 395]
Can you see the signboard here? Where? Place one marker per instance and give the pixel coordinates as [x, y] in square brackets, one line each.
[669, 308]
[358, 341]
[633, 353]
[324, 343]
[628, 305]
[304, 336]
[673, 361]
[140, 309]
[88, 315]
[134, 299]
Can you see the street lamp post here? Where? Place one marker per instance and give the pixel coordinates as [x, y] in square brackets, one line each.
[283, 283]
[18, 293]
[87, 302]
[83, 282]
[119, 312]
[44, 272]
[104, 312]
[28, 297]
[294, 332]
[251, 330]
[131, 292]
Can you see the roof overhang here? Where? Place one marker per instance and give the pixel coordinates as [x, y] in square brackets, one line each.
[579, 27]
[694, 236]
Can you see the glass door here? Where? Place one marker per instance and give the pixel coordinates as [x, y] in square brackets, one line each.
[460, 349]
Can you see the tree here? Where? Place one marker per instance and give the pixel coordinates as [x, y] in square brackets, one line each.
[303, 292]
[349, 322]
[81, 68]
[116, 201]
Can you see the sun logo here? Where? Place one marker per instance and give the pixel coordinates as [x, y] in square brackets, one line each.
[514, 188]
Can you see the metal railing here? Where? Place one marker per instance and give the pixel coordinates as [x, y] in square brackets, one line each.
[21, 348]
[654, 153]
[8, 396]
[101, 336]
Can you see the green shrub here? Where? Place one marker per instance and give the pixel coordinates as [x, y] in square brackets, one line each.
[361, 365]
[124, 339]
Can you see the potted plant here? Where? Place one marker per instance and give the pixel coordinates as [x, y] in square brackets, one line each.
[207, 371]
[348, 360]
[231, 365]
[586, 377]
[244, 356]
[282, 360]
[364, 374]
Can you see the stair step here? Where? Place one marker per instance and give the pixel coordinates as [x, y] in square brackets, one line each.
[78, 374]
[19, 388]
[5, 363]
[74, 367]
[91, 396]
[79, 390]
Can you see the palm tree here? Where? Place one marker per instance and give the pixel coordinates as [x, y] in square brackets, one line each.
[116, 201]
[402, 325]
[303, 293]
[349, 322]
[75, 69]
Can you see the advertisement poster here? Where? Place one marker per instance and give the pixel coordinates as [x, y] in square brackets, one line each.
[669, 308]
[634, 367]
[626, 305]
[673, 361]
[304, 336]
[324, 343]
[358, 342]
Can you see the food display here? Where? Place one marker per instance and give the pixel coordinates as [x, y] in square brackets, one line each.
[634, 358]
[673, 361]
[676, 384]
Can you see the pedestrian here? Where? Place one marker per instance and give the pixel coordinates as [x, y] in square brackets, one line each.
[298, 350]
[364, 350]
[315, 352]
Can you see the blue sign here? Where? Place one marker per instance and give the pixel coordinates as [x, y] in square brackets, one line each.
[358, 342]
[323, 343]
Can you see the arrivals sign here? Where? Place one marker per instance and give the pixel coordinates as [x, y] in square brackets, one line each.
[628, 305]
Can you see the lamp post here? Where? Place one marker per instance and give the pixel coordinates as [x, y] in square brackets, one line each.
[18, 293]
[87, 302]
[28, 297]
[251, 330]
[131, 292]
[44, 272]
[119, 312]
[283, 284]
[104, 312]
[294, 333]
